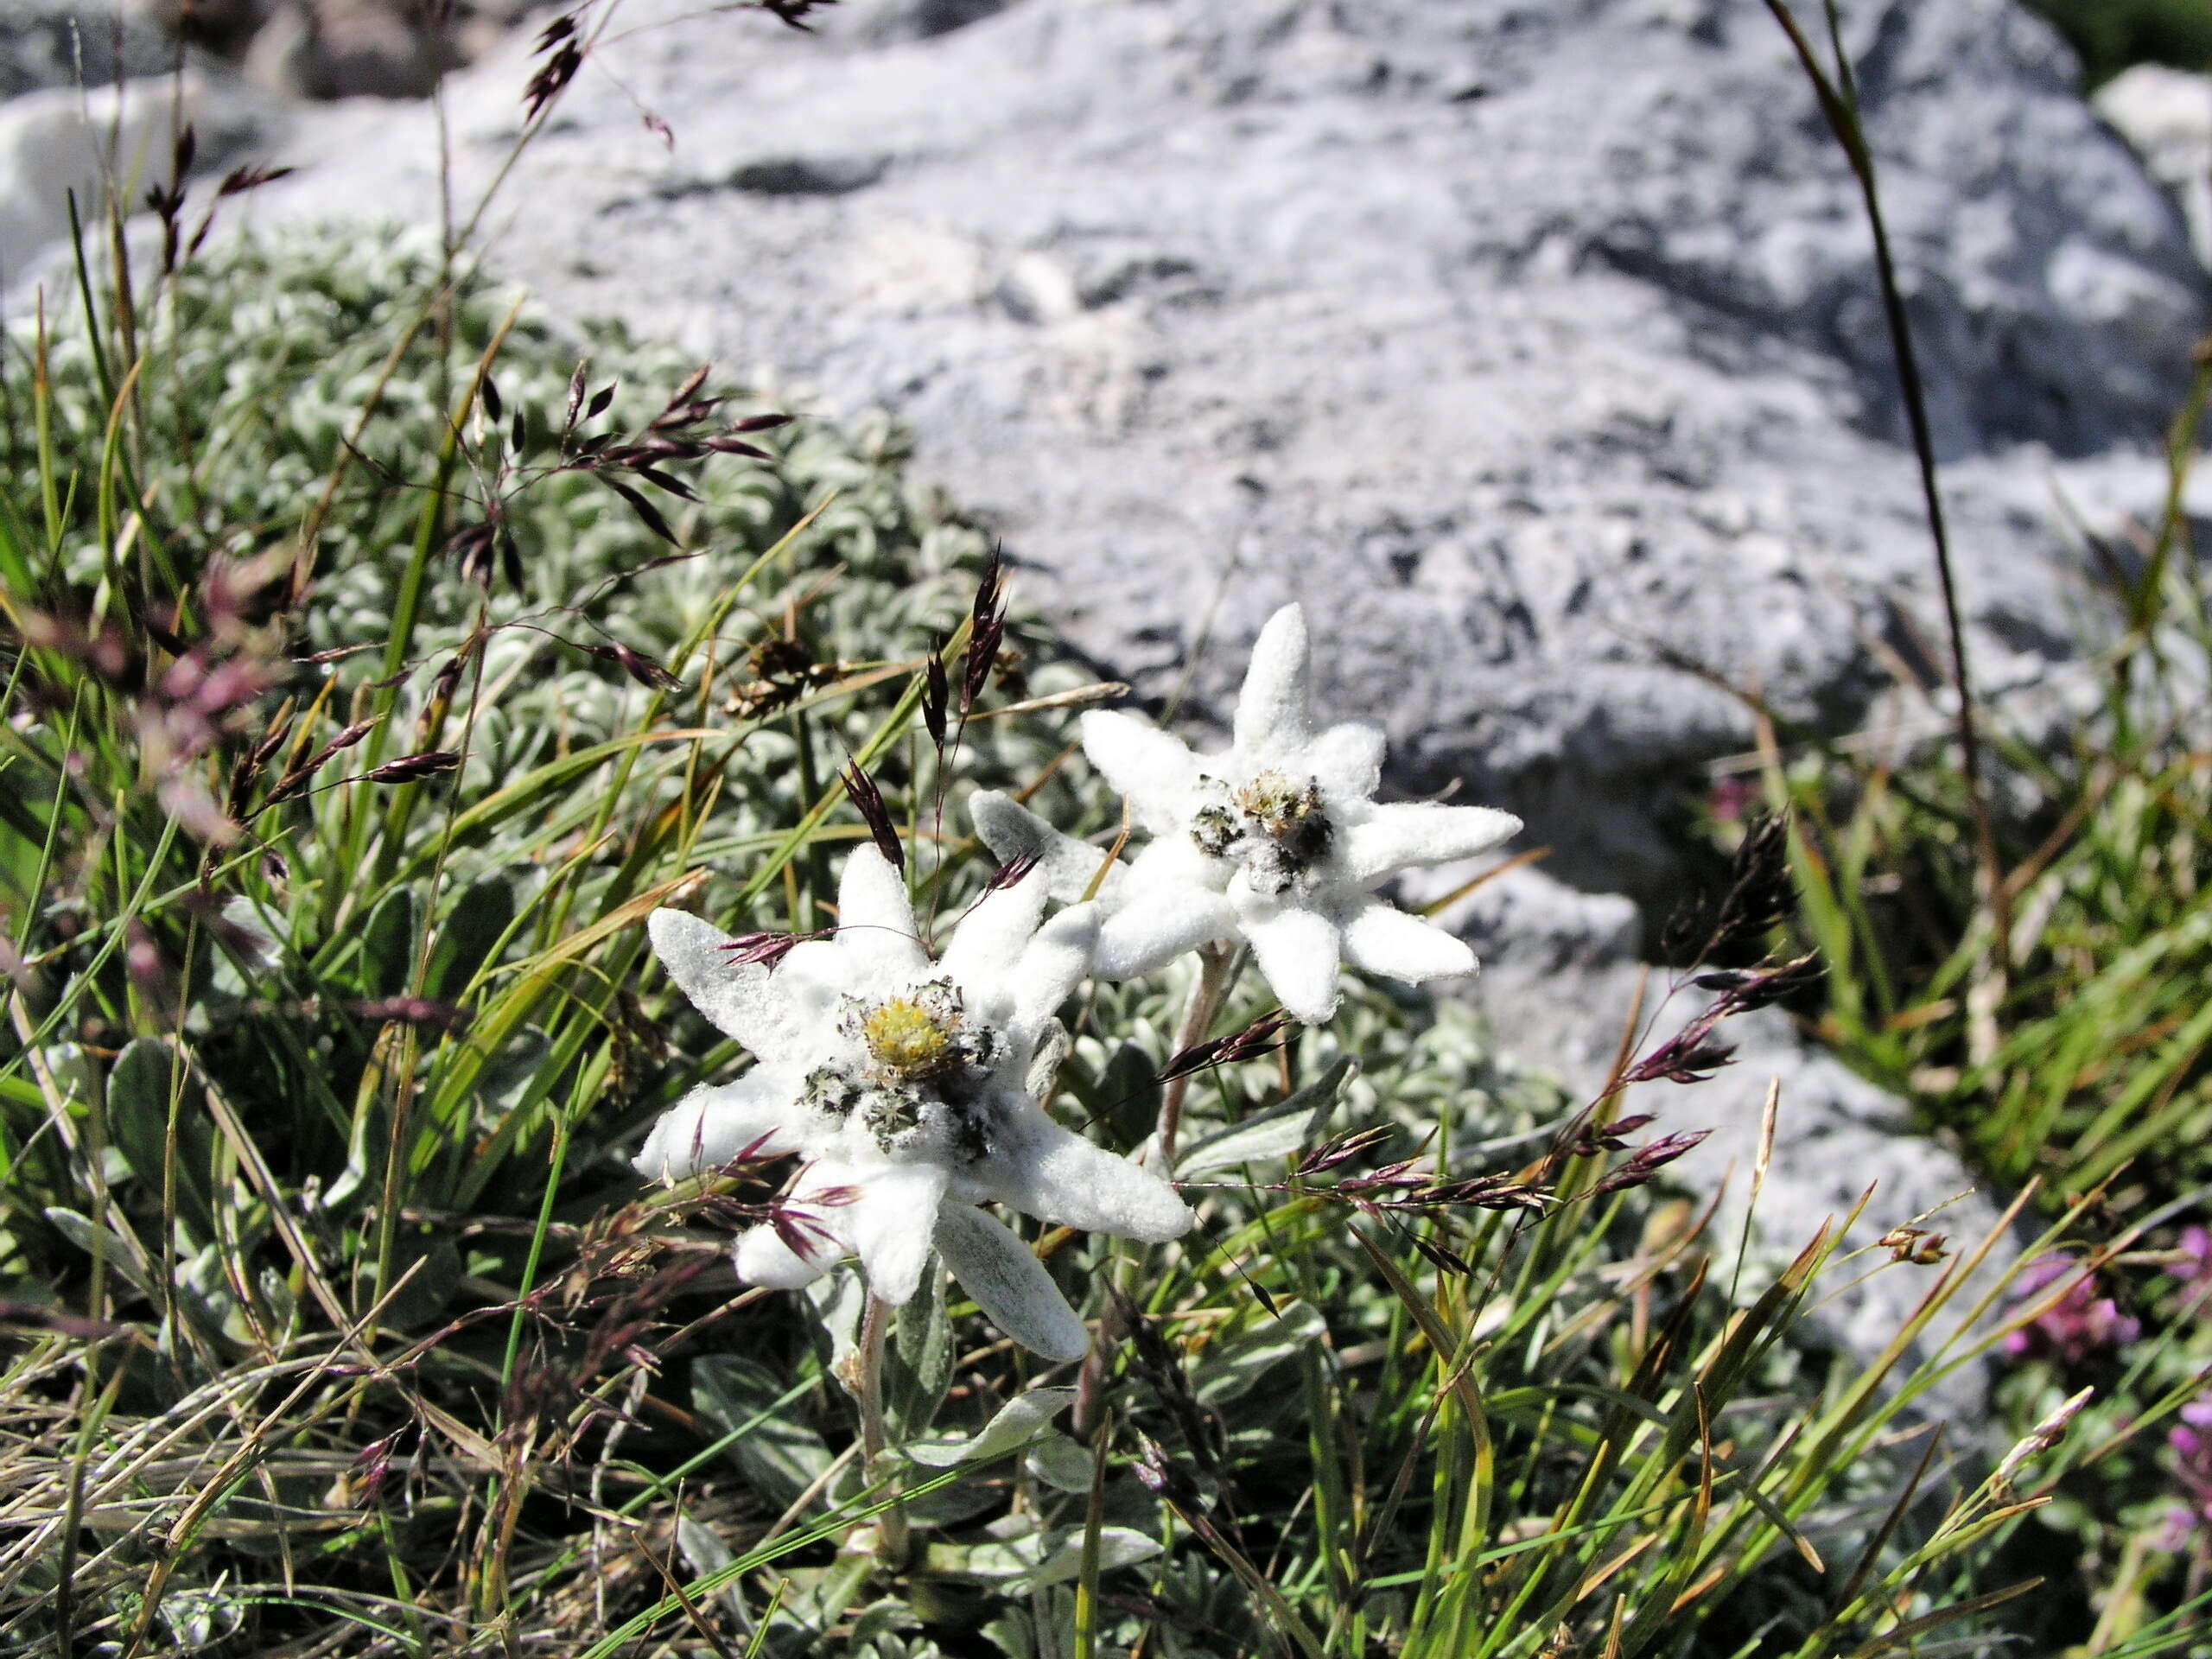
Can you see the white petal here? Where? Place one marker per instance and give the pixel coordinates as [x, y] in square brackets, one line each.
[1384, 940]
[742, 1000]
[1347, 759]
[1058, 1176]
[1007, 1281]
[813, 975]
[763, 1257]
[1050, 968]
[1153, 770]
[1271, 715]
[711, 1125]
[1409, 834]
[1175, 861]
[1011, 831]
[1150, 932]
[987, 944]
[890, 1224]
[1297, 950]
[875, 920]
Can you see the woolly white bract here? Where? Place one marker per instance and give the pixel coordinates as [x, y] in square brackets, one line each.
[904, 1083]
[1277, 839]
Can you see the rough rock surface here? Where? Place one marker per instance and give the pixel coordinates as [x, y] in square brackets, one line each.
[66, 139]
[2166, 114]
[1534, 345]
[60, 43]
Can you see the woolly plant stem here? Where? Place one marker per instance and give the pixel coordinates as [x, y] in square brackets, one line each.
[1216, 962]
[891, 1525]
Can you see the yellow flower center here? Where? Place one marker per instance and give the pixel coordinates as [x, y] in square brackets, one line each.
[1281, 807]
[905, 1037]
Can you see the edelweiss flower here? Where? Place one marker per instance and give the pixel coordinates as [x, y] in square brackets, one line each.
[905, 1085]
[1277, 839]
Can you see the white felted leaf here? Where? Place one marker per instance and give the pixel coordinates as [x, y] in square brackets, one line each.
[1016, 1424]
[1346, 760]
[1407, 835]
[1281, 1132]
[1271, 717]
[1012, 830]
[1055, 1175]
[875, 921]
[1154, 771]
[1060, 1463]
[1156, 926]
[889, 1223]
[1063, 1556]
[740, 1002]
[1383, 940]
[1051, 966]
[1005, 1280]
[713, 1124]
[1297, 952]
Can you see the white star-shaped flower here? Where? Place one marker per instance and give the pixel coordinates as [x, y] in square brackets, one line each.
[904, 1084]
[1278, 841]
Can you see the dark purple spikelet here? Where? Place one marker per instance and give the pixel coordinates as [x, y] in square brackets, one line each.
[1014, 871]
[413, 768]
[937, 695]
[1594, 1140]
[563, 56]
[1331, 1154]
[1691, 1055]
[645, 671]
[766, 948]
[372, 1467]
[1256, 1039]
[240, 180]
[986, 629]
[867, 799]
[1647, 1161]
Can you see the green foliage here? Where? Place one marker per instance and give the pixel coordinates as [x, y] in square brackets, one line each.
[2112, 34]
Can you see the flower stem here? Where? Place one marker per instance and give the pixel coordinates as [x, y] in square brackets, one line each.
[891, 1525]
[1217, 964]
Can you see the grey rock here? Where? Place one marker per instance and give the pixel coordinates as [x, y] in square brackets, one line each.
[70, 43]
[65, 140]
[1534, 345]
[2166, 115]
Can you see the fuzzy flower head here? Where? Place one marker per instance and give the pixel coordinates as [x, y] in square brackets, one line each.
[1278, 841]
[905, 1083]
